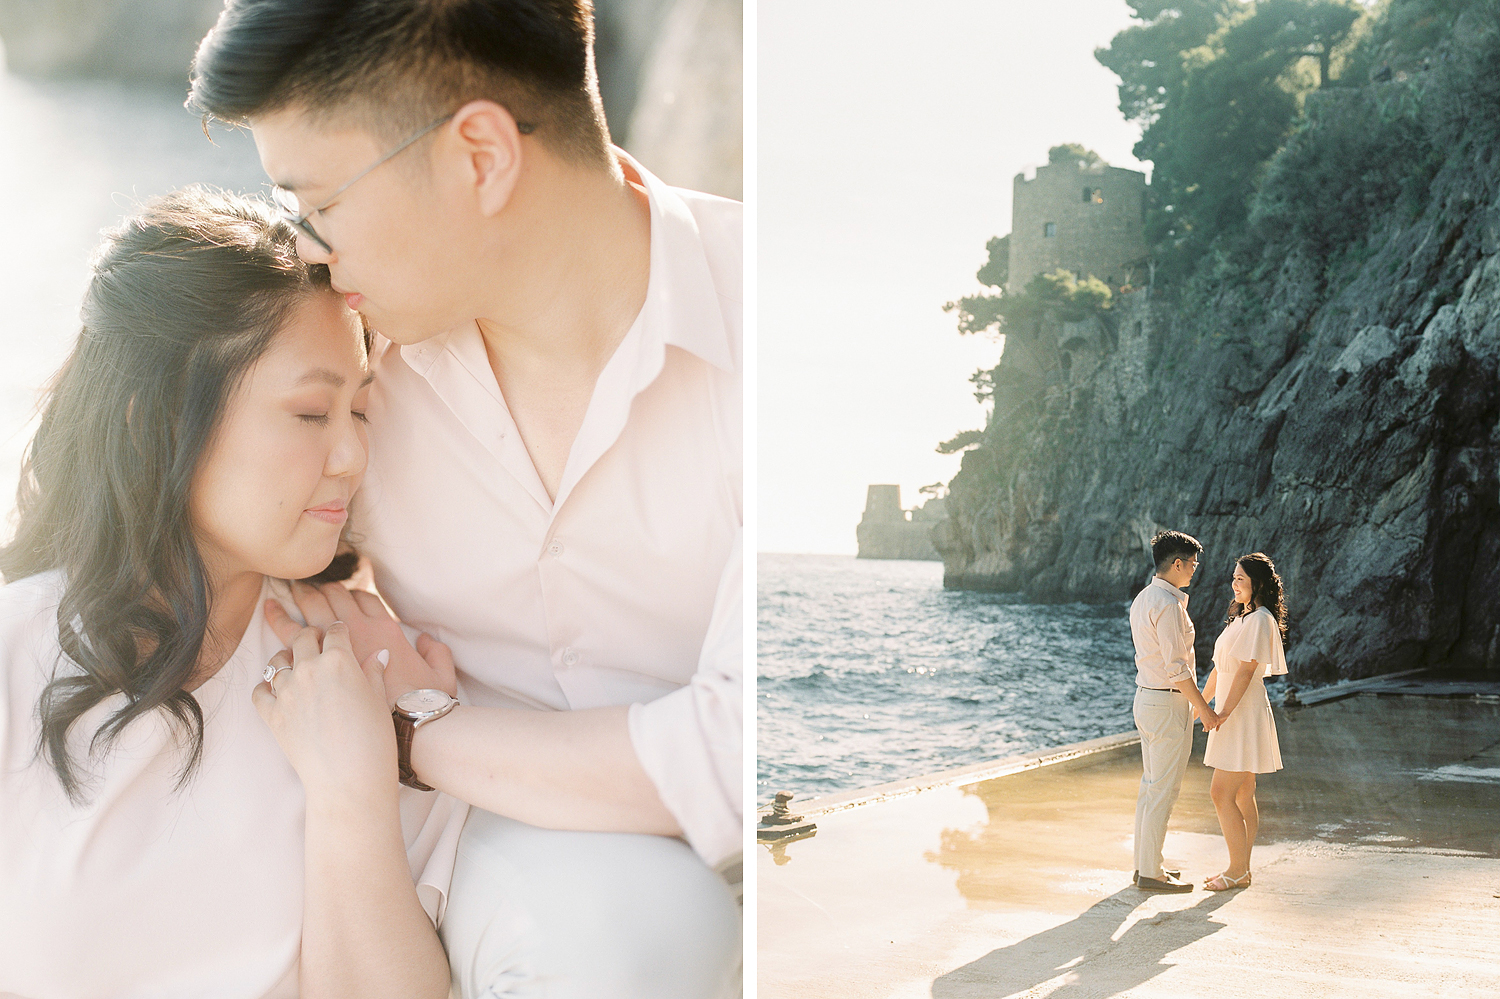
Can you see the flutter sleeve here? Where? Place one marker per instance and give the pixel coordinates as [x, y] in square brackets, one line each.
[1260, 640]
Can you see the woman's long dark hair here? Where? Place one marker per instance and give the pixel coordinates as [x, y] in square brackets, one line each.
[186, 296]
[1265, 589]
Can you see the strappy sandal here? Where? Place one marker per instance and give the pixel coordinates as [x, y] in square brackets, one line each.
[1223, 882]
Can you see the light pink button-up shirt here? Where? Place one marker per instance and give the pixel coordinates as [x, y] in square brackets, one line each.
[1163, 635]
[624, 590]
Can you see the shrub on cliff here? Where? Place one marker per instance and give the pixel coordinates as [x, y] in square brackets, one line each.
[1217, 86]
[1366, 157]
[1358, 155]
[1058, 292]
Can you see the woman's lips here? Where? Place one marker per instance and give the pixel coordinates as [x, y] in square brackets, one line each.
[329, 513]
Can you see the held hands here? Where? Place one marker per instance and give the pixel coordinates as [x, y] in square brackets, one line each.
[370, 629]
[1210, 719]
[328, 714]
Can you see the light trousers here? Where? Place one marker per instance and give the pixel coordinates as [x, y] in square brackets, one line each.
[541, 914]
[1165, 720]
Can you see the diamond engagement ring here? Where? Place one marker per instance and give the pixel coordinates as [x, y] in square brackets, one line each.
[269, 674]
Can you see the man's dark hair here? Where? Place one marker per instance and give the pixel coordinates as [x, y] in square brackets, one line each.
[1168, 546]
[398, 65]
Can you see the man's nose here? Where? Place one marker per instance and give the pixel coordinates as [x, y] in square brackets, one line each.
[311, 251]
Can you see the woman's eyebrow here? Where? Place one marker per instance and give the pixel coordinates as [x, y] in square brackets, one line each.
[331, 377]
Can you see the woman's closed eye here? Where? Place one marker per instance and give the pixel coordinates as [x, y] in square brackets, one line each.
[321, 419]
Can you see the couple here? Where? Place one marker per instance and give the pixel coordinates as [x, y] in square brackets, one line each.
[1241, 729]
[499, 359]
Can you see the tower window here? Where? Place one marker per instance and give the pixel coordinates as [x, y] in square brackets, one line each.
[1093, 195]
[1049, 229]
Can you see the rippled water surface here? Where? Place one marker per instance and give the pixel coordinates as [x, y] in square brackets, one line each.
[869, 671]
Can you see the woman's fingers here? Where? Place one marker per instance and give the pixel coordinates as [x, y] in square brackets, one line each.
[336, 636]
[264, 701]
[281, 622]
[313, 605]
[307, 643]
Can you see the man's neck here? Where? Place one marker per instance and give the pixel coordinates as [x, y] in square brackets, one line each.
[582, 262]
[554, 326]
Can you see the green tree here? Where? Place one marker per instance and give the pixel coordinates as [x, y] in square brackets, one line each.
[1070, 151]
[1217, 87]
[996, 270]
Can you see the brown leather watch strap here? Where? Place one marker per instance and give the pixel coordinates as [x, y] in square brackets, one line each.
[405, 729]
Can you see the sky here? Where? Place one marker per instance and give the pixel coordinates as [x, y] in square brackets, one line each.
[889, 136]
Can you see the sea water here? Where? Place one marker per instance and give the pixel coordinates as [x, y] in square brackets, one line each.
[869, 671]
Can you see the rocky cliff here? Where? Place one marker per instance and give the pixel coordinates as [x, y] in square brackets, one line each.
[1338, 411]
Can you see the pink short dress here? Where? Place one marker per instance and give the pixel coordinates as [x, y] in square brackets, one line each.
[1246, 742]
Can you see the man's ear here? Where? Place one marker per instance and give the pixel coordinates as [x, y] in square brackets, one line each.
[490, 143]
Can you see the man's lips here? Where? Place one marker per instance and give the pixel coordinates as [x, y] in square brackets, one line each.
[353, 298]
[335, 512]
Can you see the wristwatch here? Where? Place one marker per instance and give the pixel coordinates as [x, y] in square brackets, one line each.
[414, 709]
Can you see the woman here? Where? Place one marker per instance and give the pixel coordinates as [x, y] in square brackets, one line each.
[157, 838]
[1248, 650]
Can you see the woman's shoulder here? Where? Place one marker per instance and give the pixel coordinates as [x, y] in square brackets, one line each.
[1263, 617]
[29, 599]
[28, 639]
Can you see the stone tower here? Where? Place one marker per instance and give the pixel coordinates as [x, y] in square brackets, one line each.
[887, 531]
[1085, 217]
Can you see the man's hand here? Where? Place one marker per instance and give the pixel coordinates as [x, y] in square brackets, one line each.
[1210, 720]
[372, 627]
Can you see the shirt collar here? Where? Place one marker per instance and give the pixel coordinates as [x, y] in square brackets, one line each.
[1177, 594]
[682, 305]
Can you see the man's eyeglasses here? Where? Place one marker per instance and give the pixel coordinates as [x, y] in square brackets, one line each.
[288, 206]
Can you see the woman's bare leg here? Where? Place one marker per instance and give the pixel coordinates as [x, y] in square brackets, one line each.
[1245, 800]
[1225, 790]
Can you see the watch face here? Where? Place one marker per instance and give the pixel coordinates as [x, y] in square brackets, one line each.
[417, 702]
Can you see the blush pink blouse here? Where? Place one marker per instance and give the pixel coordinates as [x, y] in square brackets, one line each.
[145, 890]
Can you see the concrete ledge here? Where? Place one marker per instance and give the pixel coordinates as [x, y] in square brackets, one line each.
[964, 775]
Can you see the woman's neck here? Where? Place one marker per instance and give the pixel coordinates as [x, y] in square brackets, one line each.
[231, 607]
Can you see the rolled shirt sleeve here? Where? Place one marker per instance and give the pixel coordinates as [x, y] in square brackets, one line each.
[1174, 630]
[690, 741]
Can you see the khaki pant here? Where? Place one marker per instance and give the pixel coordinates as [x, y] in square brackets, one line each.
[543, 914]
[1165, 720]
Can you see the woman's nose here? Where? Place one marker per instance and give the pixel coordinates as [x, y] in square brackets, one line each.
[349, 453]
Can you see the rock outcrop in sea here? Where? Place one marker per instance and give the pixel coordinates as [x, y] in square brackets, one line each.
[1338, 414]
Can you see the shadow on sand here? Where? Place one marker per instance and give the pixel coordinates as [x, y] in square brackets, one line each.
[1083, 948]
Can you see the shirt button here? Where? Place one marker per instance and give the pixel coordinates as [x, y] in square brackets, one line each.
[569, 657]
[556, 547]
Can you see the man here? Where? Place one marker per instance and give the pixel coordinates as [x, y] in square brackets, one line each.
[1166, 697]
[554, 483]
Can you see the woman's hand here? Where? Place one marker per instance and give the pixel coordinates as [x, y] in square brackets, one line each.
[329, 715]
[371, 628]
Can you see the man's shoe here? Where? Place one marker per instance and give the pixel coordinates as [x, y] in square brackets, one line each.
[1165, 884]
[1136, 875]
